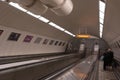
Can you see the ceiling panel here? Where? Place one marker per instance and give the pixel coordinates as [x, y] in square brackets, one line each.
[85, 14]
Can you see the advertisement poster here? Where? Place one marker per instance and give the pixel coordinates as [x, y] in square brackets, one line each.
[38, 40]
[14, 36]
[60, 43]
[45, 41]
[51, 42]
[28, 38]
[56, 42]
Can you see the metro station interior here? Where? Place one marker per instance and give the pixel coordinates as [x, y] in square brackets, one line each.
[59, 39]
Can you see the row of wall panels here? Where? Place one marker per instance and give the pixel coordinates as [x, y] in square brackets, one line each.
[8, 47]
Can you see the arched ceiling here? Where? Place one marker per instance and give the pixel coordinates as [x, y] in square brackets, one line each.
[84, 18]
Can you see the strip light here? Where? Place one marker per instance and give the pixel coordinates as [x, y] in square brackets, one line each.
[30, 13]
[3, 0]
[101, 18]
[43, 19]
[17, 6]
[69, 33]
[56, 26]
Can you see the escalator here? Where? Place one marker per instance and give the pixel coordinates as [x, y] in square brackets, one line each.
[36, 67]
[82, 71]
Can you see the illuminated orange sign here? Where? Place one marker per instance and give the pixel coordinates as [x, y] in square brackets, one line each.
[82, 36]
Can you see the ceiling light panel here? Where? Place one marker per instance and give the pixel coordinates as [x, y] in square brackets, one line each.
[32, 14]
[43, 19]
[56, 26]
[17, 6]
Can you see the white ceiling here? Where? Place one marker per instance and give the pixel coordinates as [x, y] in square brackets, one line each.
[85, 15]
[84, 18]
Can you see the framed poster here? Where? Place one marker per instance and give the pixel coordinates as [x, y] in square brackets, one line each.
[63, 44]
[28, 38]
[45, 41]
[56, 42]
[51, 42]
[60, 43]
[14, 36]
[1, 31]
[38, 40]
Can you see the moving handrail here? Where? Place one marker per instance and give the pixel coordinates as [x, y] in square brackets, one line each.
[93, 73]
[38, 68]
[18, 58]
[59, 72]
[29, 62]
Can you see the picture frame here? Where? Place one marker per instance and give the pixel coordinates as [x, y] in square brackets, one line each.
[45, 41]
[28, 38]
[38, 40]
[51, 42]
[14, 36]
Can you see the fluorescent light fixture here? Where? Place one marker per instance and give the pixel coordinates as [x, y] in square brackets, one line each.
[43, 19]
[102, 6]
[28, 12]
[32, 14]
[101, 11]
[56, 26]
[101, 15]
[101, 25]
[73, 35]
[17, 6]
[69, 33]
[100, 34]
[52, 24]
[101, 29]
[101, 20]
[3, 0]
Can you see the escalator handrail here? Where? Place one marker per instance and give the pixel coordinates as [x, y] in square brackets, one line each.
[30, 62]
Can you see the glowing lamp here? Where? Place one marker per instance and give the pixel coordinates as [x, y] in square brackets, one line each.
[82, 36]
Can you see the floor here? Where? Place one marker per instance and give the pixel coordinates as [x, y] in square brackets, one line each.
[105, 75]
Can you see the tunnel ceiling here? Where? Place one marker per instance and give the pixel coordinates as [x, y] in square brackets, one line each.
[111, 29]
[84, 18]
